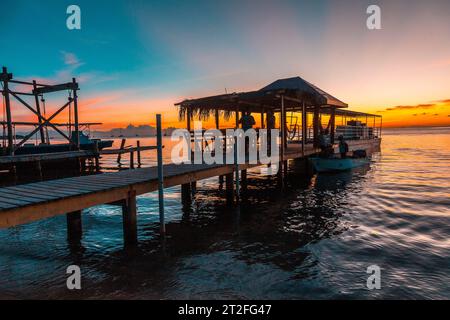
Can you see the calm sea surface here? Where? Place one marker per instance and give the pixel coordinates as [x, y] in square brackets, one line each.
[313, 240]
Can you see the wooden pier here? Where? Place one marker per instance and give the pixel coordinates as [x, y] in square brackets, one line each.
[26, 203]
[35, 201]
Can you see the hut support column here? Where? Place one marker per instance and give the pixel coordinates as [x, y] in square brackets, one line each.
[216, 116]
[332, 124]
[316, 126]
[74, 226]
[129, 219]
[304, 128]
[186, 189]
[283, 135]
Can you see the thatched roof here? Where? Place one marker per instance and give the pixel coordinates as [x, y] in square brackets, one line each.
[295, 90]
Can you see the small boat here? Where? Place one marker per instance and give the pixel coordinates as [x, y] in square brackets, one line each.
[86, 143]
[337, 164]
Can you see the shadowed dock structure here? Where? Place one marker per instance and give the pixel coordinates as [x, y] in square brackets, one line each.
[26, 203]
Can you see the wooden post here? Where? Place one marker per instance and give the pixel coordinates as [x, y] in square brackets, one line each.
[217, 127]
[8, 112]
[304, 127]
[122, 145]
[217, 118]
[244, 182]
[186, 188]
[283, 132]
[160, 174]
[129, 219]
[139, 153]
[316, 126]
[229, 188]
[96, 156]
[332, 124]
[132, 159]
[236, 157]
[262, 119]
[186, 194]
[38, 110]
[74, 226]
[75, 113]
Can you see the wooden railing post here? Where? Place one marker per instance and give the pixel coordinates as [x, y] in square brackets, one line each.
[119, 155]
[139, 153]
[160, 174]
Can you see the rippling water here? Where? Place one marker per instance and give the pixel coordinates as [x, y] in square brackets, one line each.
[314, 239]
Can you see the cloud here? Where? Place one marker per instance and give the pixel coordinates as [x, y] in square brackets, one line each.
[412, 107]
[70, 59]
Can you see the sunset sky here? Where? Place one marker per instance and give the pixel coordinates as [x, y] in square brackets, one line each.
[136, 58]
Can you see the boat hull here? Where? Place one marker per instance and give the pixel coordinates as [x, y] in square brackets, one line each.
[60, 147]
[337, 164]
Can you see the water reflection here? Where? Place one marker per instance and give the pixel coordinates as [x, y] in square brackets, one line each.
[312, 239]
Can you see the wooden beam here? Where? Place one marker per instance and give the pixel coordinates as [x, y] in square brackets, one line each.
[59, 87]
[39, 116]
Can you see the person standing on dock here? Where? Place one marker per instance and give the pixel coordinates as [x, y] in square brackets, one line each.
[325, 143]
[270, 125]
[343, 147]
[247, 122]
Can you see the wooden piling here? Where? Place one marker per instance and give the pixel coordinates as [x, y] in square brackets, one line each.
[244, 182]
[122, 146]
[186, 195]
[229, 188]
[74, 226]
[129, 219]
[131, 160]
[160, 174]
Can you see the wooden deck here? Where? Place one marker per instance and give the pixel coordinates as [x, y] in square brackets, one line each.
[31, 202]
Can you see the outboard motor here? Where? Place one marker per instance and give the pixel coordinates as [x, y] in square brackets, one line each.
[361, 153]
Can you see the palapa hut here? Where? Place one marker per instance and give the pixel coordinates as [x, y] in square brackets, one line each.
[281, 96]
[295, 95]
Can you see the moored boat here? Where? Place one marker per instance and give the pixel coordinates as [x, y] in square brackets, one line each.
[337, 164]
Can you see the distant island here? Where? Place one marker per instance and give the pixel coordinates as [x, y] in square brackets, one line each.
[131, 131]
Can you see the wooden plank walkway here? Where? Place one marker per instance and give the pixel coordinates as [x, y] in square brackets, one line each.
[30, 202]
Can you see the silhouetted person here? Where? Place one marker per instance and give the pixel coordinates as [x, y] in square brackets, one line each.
[247, 121]
[343, 147]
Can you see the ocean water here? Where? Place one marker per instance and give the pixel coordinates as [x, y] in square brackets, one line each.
[314, 239]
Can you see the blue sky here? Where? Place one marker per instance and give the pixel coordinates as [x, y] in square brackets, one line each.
[134, 58]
